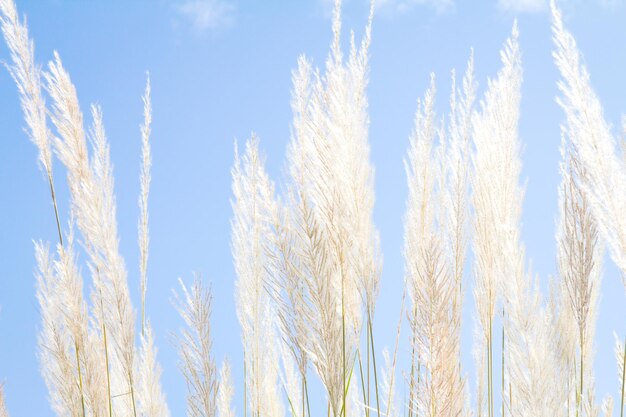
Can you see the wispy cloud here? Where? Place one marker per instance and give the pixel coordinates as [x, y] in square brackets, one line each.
[402, 6]
[523, 6]
[399, 6]
[611, 4]
[205, 15]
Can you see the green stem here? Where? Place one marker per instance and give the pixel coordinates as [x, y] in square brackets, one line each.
[365, 398]
[367, 343]
[56, 209]
[132, 393]
[245, 386]
[80, 377]
[308, 406]
[503, 386]
[106, 357]
[369, 321]
[623, 378]
[490, 369]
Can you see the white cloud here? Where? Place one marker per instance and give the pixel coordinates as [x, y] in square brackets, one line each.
[401, 6]
[204, 15]
[523, 6]
[611, 4]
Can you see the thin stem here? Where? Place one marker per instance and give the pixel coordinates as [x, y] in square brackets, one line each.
[106, 357]
[245, 386]
[367, 343]
[623, 378]
[365, 397]
[490, 368]
[582, 370]
[308, 405]
[132, 393]
[80, 378]
[369, 322]
[54, 204]
[503, 386]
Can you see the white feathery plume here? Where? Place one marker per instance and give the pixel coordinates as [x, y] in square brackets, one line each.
[58, 364]
[607, 406]
[430, 273]
[252, 209]
[3, 406]
[564, 342]
[93, 203]
[605, 180]
[457, 169]
[418, 223]
[331, 209]
[144, 179]
[27, 76]
[580, 264]
[500, 256]
[387, 385]
[291, 380]
[194, 349]
[151, 400]
[489, 132]
[225, 392]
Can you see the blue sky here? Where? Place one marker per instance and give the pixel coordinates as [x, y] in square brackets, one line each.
[220, 69]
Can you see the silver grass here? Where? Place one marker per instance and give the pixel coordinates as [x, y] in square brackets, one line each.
[151, 399]
[586, 127]
[291, 380]
[91, 186]
[225, 392]
[27, 77]
[252, 207]
[194, 349]
[499, 252]
[431, 269]
[387, 385]
[330, 205]
[564, 341]
[580, 263]
[607, 406]
[55, 353]
[144, 180]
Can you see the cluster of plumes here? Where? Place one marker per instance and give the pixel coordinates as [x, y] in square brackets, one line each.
[594, 199]
[308, 264]
[502, 282]
[435, 251]
[208, 395]
[604, 182]
[253, 206]
[88, 352]
[311, 260]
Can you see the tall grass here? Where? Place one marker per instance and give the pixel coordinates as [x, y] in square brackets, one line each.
[308, 263]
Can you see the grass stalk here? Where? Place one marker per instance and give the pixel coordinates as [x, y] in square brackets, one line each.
[80, 378]
[582, 371]
[502, 388]
[364, 391]
[245, 386]
[306, 390]
[371, 334]
[106, 358]
[623, 379]
[490, 368]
